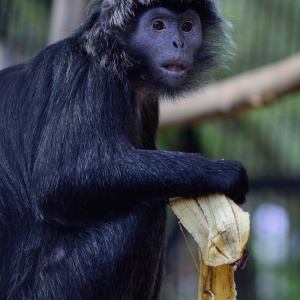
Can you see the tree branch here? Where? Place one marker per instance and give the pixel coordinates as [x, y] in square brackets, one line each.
[251, 89]
[66, 16]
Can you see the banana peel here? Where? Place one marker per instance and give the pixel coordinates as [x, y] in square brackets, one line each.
[221, 229]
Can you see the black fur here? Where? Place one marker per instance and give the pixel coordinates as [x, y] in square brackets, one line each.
[83, 191]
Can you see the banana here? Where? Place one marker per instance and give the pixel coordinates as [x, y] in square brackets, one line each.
[221, 229]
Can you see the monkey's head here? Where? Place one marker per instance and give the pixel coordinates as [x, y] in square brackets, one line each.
[165, 46]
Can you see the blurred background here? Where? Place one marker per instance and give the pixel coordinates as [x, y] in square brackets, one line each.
[251, 113]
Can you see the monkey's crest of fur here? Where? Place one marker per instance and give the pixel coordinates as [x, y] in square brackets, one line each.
[110, 18]
[124, 10]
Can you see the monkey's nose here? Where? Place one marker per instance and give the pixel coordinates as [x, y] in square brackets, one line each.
[178, 44]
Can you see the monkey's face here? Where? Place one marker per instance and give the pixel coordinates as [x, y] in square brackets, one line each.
[166, 43]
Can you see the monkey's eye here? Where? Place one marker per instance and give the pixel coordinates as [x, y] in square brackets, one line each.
[158, 25]
[187, 26]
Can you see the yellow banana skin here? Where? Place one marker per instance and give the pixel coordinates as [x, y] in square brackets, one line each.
[221, 229]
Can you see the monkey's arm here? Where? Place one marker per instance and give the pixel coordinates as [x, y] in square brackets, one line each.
[134, 175]
[172, 174]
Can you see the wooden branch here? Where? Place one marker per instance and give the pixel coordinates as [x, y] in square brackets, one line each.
[251, 89]
[66, 16]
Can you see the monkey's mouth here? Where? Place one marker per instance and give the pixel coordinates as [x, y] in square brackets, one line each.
[175, 67]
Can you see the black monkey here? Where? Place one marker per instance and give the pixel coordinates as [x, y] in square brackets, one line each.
[83, 191]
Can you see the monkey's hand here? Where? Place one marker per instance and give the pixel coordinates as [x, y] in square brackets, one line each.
[230, 178]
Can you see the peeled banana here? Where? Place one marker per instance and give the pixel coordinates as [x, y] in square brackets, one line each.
[221, 229]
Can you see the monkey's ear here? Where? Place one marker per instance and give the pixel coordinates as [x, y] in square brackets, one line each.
[107, 9]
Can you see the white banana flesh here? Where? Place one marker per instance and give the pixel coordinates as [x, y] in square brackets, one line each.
[221, 229]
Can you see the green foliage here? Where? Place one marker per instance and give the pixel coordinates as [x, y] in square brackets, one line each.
[265, 139]
[26, 25]
[264, 31]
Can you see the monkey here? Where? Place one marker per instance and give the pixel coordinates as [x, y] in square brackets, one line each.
[83, 188]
